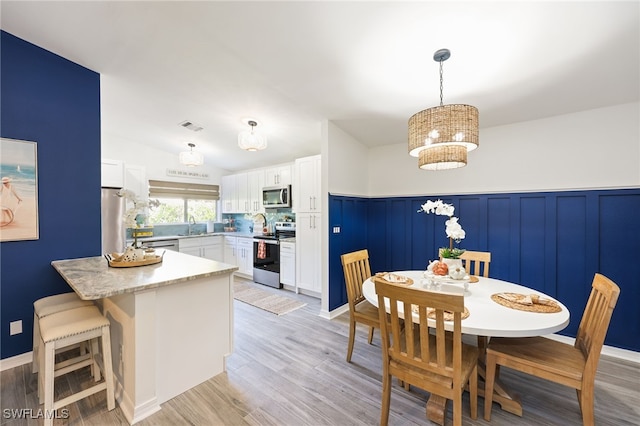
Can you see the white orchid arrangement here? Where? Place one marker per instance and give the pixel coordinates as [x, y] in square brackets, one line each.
[134, 207]
[453, 228]
[139, 208]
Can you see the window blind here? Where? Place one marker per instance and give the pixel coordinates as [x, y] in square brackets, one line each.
[164, 189]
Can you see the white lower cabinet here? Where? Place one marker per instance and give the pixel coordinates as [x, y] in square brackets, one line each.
[308, 253]
[245, 256]
[288, 263]
[238, 251]
[209, 247]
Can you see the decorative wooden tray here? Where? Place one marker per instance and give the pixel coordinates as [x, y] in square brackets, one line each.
[111, 260]
[401, 281]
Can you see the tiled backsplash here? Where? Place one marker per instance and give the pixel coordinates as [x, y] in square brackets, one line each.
[244, 222]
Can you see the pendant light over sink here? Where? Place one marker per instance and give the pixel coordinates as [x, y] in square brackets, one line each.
[441, 136]
[191, 158]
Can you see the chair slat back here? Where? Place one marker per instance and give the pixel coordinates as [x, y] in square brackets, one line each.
[356, 270]
[406, 337]
[476, 260]
[595, 320]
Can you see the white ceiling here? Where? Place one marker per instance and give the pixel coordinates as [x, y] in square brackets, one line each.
[366, 66]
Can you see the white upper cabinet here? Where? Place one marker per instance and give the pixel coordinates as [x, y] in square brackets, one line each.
[279, 175]
[242, 191]
[112, 173]
[307, 184]
[229, 194]
[135, 179]
[255, 182]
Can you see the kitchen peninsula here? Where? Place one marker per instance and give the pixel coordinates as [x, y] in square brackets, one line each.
[171, 323]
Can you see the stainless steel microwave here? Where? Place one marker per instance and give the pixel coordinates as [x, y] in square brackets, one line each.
[274, 197]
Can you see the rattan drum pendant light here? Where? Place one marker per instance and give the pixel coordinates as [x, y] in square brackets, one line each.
[441, 136]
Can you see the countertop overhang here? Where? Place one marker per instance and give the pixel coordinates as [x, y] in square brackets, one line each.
[92, 278]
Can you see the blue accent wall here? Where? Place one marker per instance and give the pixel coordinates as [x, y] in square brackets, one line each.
[56, 103]
[553, 242]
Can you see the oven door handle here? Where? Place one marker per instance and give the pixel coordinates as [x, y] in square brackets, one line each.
[257, 240]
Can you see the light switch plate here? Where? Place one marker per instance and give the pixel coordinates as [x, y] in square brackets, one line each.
[15, 327]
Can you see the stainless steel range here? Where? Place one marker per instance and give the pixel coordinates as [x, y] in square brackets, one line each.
[266, 254]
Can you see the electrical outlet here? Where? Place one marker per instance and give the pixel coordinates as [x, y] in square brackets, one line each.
[336, 229]
[15, 327]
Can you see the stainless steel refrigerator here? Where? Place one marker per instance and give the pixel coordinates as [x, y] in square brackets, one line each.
[113, 230]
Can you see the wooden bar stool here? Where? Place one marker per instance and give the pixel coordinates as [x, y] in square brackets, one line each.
[64, 329]
[47, 306]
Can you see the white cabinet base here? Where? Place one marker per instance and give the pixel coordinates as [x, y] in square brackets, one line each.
[169, 339]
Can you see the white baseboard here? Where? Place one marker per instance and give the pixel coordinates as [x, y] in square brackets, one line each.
[16, 361]
[336, 312]
[611, 351]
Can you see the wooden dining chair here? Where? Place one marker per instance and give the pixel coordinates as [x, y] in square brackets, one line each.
[478, 261]
[574, 366]
[426, 357]
[356, 270]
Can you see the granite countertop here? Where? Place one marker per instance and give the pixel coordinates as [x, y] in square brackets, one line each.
[92, 278]
[177, 237]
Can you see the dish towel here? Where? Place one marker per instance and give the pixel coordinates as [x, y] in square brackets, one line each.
[262, 250]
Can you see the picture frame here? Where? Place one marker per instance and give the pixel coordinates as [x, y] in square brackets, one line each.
[18, 190]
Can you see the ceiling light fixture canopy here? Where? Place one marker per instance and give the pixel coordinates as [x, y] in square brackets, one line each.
[441, 129]
[251, 140]
[191, 158]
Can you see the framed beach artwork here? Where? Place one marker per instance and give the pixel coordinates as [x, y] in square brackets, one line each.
[19, 190]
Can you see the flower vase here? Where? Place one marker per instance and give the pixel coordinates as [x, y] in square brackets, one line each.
[454, 265]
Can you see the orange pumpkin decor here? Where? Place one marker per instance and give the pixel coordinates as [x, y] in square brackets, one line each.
[440, 268]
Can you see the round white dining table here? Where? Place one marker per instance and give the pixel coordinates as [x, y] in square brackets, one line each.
[486, 317]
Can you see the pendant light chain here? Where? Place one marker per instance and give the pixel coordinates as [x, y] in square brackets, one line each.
[441, 86]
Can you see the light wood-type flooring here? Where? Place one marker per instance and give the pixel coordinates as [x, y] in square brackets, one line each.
[291, 370]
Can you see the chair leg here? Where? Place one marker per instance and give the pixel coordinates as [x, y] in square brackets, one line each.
[457, 409]
[95, 368]
[386, 400]
[108, 367]
[36, 343]
[371, 334]
[473, 392]
[482, 346]
[49, 362]
[585, 399]
[352, 336]
[489, 381]
[41, 376]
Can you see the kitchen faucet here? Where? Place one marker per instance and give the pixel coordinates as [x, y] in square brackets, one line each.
[192, 221]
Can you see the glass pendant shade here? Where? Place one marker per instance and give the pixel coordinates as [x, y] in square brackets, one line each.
[191, 158]
[442, 157]
[455, 124]
[250, 140]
